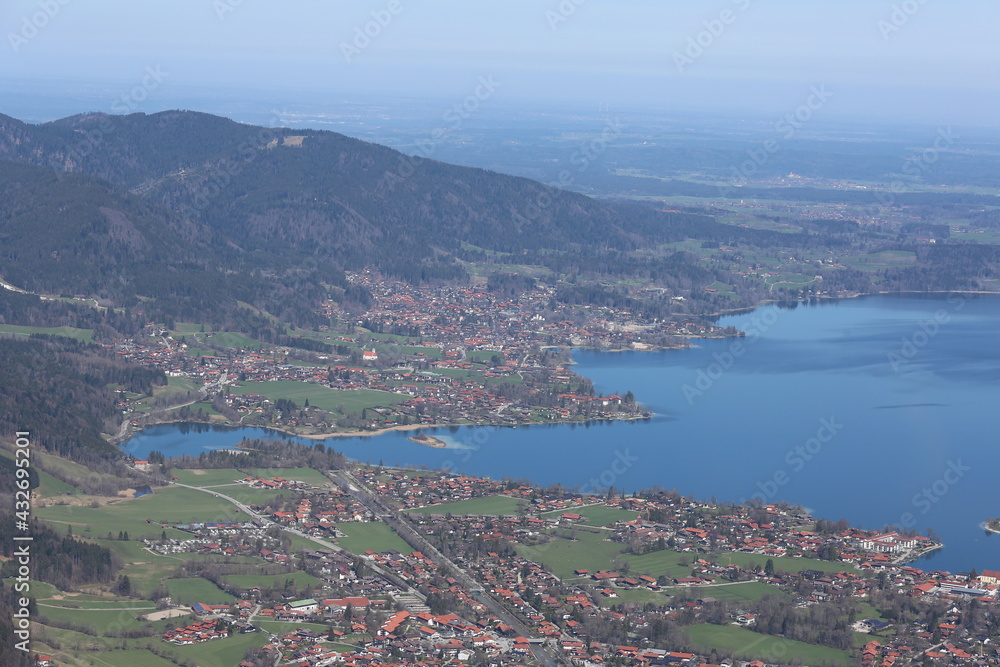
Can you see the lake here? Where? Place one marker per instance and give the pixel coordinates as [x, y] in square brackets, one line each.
[879, 410]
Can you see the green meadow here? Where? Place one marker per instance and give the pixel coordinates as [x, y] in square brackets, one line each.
[488, 506]
[752, 645]
[377, 537]
[324, 398]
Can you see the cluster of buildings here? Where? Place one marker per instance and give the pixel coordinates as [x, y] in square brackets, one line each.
[477, 319]
[427, 615]
[196, 633]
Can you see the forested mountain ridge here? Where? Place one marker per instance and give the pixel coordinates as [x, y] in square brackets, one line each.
[344, 201]
[76, 234]
[193, 214]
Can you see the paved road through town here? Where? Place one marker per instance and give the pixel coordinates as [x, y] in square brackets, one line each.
[545, 654]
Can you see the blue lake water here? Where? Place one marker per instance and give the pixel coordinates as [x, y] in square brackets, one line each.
[880, 410]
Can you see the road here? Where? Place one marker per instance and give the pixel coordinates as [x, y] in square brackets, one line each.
[203, 392]
[391, 576]
[546, 655]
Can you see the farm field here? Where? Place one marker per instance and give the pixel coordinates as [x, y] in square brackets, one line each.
[752, 645]
[48, 486]
[298, 543]
[660, 563]
[886, 259]
[220, 652]
[323, 398]
[299, 580]
[66, 469]
[307, 475]
[377, 537]
[588, 552]
[786, 564]
[748, 591]
[202, 478]
[111, 655]
[165, 505]
[130, 658]
[189, 591]
[83, 335]
[279, 627]
[100, 621]
[488, 506]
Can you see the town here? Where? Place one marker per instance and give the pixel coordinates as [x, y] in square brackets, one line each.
[505, 573]
[419, 356]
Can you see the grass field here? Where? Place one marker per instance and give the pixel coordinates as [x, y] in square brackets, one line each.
[99, 622]
[234, 341]
[749, 591]
[48, 486]
[659, 563]
[167, 505]
[376, 537]
[279, 627]
[489, 506]
[588, 552]
[299, 580]
[324, 398]
[598, 515]
[109, 655]
[228, 476]
[638, 595]
[887, 259]
[221, 652]
[129, 658]
[208, 477]
[84, 335]
[865, 610]
[66, 469]
[786, 564]
[790, 281]
[298, 542]
[307, 475]
[752, 645]
[189, 591]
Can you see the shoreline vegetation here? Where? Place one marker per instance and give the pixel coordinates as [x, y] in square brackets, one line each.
[115, 440]
[429, 441]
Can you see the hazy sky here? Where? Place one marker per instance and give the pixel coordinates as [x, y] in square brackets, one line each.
[929, 60]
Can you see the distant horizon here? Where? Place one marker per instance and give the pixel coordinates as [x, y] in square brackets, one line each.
[40, 101]
[897, 62]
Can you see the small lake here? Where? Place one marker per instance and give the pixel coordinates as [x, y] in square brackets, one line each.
[879, 410]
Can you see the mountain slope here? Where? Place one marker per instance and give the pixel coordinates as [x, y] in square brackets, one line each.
[78, 234]
[330, 197]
